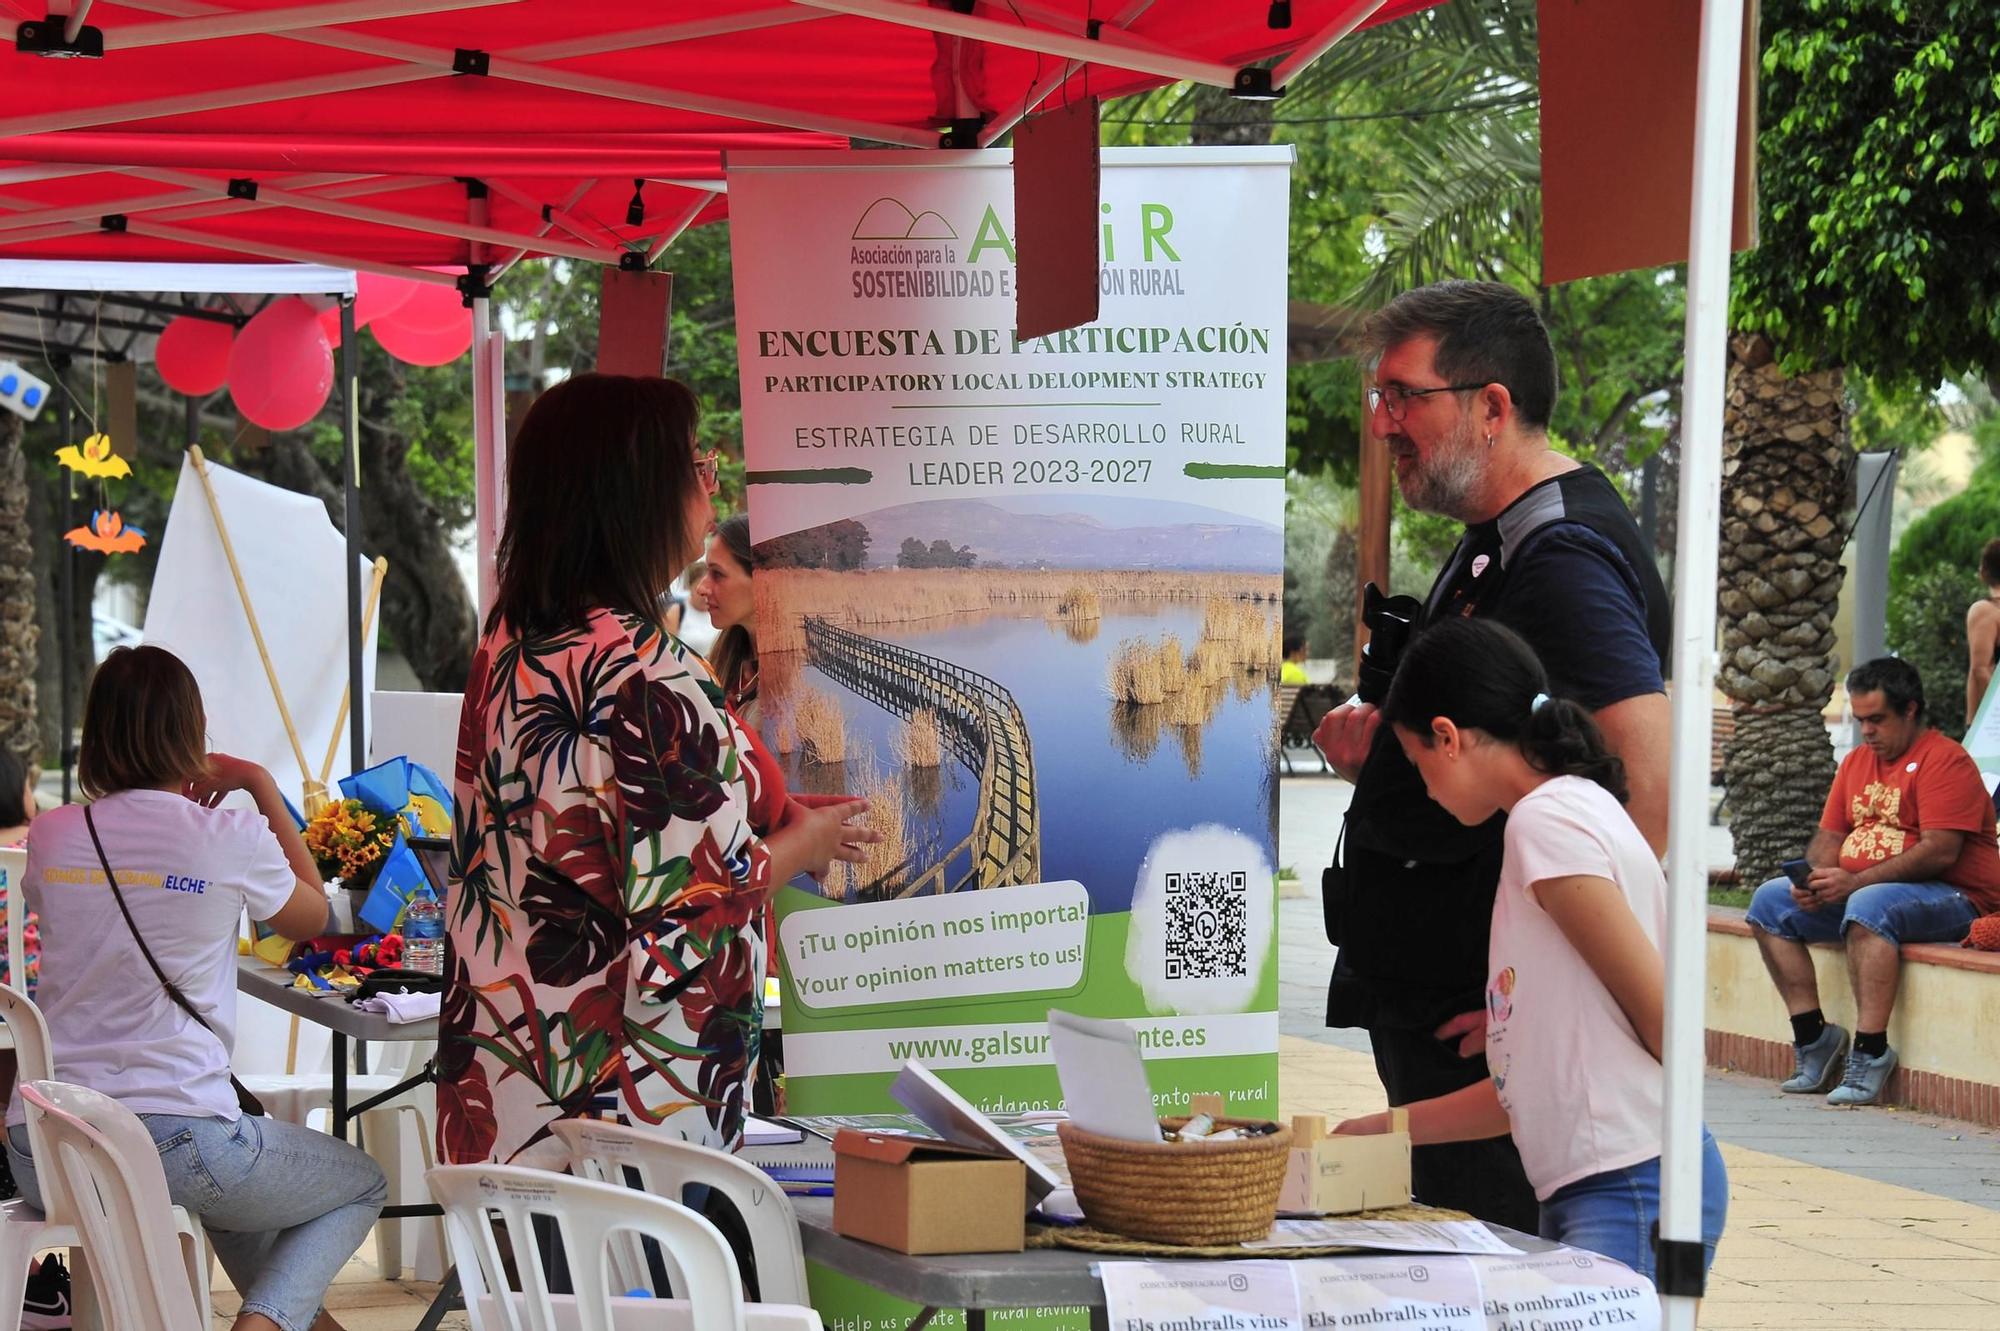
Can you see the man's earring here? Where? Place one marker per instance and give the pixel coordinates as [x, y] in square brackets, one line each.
[1489, 441]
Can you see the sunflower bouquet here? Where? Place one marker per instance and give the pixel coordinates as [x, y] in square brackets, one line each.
[348, 841]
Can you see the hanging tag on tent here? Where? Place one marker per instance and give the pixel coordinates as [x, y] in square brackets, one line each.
[121, 391]
[632, 323]
[1056, 220]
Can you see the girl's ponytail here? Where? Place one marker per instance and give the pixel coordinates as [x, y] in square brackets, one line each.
[1483, 676]
[1561, 739]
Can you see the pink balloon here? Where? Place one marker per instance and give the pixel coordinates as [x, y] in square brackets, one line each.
[329, 320]
[192, 354]
[375, 296]
[432, 328]
[281, 369]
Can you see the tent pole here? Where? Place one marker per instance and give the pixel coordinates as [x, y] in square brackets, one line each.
[65, 586]
[1694, 663]
[350, 484]
[489, 431]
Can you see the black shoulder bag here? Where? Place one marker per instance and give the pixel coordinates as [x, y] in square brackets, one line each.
[245, 1100]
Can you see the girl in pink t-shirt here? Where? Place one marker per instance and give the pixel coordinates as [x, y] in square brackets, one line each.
[1576, 987]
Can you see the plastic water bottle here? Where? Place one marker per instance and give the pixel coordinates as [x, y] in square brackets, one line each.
[423, 933]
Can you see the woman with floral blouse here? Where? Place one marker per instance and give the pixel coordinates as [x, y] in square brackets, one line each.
[605, 873]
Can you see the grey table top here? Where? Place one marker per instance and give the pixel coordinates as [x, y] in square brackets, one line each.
[1038, 1278]
[273, 986]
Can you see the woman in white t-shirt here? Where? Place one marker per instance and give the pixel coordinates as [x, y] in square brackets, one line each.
[285, 1206]
[1576, 988]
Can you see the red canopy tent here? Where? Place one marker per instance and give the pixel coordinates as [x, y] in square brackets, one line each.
[354, 133]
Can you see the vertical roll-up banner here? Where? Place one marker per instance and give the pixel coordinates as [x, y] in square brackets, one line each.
[1024, 596]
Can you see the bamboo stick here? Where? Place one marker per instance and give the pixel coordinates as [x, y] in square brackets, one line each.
[250, 613]
[380, 572]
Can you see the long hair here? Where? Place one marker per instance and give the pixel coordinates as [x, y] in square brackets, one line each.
[143, 724]
[736, 649]
[1483, 676]
[13, 784]
[597, 487]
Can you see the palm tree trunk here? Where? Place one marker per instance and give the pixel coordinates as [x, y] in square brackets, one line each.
[1787, 484]
[20, 730]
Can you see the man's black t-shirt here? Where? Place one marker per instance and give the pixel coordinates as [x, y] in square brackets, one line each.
[1565, 567]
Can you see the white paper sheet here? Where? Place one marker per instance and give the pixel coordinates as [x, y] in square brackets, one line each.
[1460, 1236]
[1200, 1296]
[1408, 1293]
[1103, 1077]
[1564, 1288]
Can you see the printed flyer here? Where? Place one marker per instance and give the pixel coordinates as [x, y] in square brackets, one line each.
[1023, 596]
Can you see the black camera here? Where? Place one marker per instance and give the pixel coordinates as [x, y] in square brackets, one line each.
[1390, 620]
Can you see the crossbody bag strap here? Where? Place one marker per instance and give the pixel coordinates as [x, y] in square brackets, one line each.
[247, 1101]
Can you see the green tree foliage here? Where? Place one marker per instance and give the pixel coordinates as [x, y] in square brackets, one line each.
[841, 545]
[938, 554]
[1880, 189]
[1927, 629]
[1951, 534]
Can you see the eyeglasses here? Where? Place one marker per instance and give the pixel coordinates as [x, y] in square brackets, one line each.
[707, 467]
[1397, 398]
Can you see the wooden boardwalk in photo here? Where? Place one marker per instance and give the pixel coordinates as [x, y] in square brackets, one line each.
[982, 727]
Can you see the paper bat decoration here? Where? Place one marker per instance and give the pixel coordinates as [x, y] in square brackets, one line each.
[94, 457]
[106, 534]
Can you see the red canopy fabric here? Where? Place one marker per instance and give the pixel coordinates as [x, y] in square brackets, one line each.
[355, 144]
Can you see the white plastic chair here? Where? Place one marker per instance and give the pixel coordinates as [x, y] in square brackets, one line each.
[665, 1166]
[296, 1096]
[589, 1215]
[24, 1231]
[110, 1167]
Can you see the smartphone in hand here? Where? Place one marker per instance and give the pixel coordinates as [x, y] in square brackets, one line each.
[1796, 870]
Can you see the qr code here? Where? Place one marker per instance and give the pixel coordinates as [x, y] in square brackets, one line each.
[1206, 914]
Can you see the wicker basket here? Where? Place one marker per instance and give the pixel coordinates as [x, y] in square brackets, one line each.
[1187, 1193]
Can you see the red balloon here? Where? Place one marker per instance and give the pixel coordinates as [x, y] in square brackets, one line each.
[281, 369]
[193, 354]
[329, 320]
[375, 296]
[432, 328]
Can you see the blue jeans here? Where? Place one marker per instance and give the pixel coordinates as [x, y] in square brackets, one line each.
[1614, 1213]
[1899, 912]
[284, 1206]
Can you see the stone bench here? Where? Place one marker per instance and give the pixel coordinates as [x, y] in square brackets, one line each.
[1943, 1030]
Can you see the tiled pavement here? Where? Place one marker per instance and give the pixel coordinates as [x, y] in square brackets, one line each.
[1838, 1218]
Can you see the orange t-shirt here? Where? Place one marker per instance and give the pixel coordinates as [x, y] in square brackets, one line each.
[1880, 807]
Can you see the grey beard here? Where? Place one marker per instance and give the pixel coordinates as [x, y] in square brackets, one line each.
[1447, 481]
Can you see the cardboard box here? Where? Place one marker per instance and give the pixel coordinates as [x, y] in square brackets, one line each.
[1341, 1175]
[921, 1196]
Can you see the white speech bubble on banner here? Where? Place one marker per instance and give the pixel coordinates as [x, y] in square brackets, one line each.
[1014, 940]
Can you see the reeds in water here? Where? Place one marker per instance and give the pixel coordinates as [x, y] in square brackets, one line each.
[821, 726]
[917, 743]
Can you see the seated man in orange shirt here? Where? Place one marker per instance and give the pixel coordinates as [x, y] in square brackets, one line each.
[1905, 853]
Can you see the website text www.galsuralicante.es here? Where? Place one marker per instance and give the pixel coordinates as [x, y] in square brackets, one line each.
[1028, 1042]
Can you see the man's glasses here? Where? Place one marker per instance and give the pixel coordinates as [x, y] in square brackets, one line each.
[1396, 398]
[708, 466]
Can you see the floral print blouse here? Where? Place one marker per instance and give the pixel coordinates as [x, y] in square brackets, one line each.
[606, 880]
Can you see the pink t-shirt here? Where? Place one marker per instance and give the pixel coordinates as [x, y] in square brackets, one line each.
[1580, 1088]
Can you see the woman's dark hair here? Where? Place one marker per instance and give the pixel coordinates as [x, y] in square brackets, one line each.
[1293, 641]
[597, 484]
[1483, 676]
[735, 652]
[1989, 563]
[143, 724]
[13, 781]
